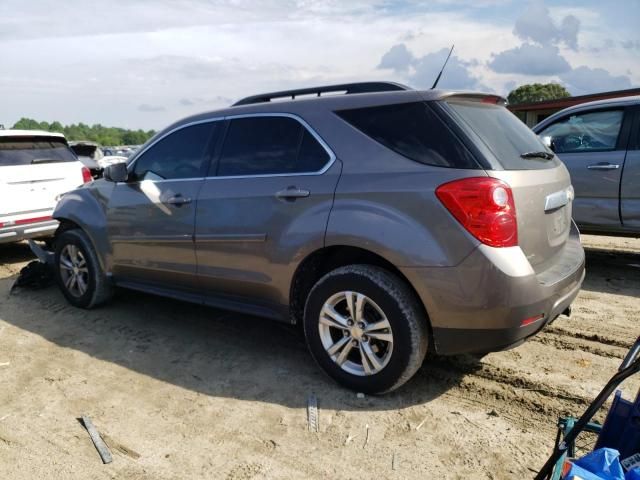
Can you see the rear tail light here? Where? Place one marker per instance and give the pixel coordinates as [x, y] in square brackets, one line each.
[86, 175]
[485, 207]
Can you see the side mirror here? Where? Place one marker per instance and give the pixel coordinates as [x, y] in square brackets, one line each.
[116, 172]
[548, 142]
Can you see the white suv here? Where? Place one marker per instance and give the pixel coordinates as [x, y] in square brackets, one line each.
[35, 169]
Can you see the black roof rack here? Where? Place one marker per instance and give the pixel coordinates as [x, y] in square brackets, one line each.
[348, 88]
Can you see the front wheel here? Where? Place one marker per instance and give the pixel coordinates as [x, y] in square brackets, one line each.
[365, 328]
[78, 271]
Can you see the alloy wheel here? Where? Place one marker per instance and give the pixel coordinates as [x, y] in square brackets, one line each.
[74, 270]
[356, 333]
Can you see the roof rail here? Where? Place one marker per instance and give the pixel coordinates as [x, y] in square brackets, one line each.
[347, 88]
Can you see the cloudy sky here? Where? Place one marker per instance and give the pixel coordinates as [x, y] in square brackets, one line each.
[145, 63]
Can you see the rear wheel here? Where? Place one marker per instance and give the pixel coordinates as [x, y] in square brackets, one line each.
[365, 328]
[78, 271]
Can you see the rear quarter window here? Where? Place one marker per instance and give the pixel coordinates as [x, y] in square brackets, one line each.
[33, 150]
[414, 131]
[506, 136]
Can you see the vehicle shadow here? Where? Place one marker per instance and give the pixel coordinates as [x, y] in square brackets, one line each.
[213, 352]
[613, 272]
[15, 253]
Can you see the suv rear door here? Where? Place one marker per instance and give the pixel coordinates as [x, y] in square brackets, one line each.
[592, 144]
[264, 205]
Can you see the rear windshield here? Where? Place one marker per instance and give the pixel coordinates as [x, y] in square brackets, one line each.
[91, 151]
[504, 134]
[32, 151]
[412, 130]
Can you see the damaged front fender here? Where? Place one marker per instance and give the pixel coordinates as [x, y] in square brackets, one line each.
[86, 207]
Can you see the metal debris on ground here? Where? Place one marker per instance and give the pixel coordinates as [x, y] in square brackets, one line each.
[312, 413]
[5, 364]
[366, 439]
[394, 461]
[101, 447]
[35, 275]
[421, 423]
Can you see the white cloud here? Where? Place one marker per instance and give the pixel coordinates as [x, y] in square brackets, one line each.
[398, 58]
[530, 59]
[536, 24]
[145, 107]
[584, 80]
[100, 61]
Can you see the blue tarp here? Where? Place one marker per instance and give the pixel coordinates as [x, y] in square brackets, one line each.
[601, 464]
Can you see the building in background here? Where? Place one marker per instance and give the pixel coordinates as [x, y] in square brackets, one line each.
[535, 112]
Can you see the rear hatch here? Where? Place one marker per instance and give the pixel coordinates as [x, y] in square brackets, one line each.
[33, 172]
[540, 183]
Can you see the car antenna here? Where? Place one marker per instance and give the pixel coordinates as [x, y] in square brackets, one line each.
[445, 64]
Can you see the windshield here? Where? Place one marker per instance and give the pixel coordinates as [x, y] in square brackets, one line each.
[504, 134]
[32, 151]
[85, 150]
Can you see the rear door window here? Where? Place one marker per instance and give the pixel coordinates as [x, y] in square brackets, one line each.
[503, 133]
[270, 145]
[586, 132]
[181, 154]
[414, 131]
[33, 150]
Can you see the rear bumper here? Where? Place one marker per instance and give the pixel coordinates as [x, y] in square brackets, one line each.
[16, 233]
[480, 305]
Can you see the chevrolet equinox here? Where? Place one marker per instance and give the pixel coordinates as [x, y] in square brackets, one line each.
[386, 221]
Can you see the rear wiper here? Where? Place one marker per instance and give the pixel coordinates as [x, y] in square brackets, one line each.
[43, 160]
[545, 155]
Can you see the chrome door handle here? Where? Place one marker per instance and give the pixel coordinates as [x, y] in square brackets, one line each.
[291, 193]
[603, 166]
[178, 200]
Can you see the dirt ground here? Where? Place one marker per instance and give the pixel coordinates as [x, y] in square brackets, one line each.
[180, 391]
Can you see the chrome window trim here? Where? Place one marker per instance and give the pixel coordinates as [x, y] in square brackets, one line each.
[319, 139]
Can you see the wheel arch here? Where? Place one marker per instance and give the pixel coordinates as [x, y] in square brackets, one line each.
[322, 261]
[79, 209]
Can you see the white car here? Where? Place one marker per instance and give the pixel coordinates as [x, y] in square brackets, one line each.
[35, 169]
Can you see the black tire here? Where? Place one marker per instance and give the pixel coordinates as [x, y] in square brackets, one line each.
[99, 288]
[399, 304]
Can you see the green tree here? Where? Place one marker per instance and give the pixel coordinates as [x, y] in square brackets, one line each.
[537, 92]
[95, 133]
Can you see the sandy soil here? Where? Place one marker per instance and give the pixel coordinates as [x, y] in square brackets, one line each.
[181, 391]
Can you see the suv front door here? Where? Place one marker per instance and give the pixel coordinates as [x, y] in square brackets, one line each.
[264, 205]
[151, 217]
[592, 147]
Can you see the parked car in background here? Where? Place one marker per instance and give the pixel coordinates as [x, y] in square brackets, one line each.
[599, 142]
[384, 220]
[35, 169]
[90, 154]
[94, 157]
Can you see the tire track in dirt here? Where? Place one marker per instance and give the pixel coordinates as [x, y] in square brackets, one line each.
[588, 335]
[521, 400]
[560, 342]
